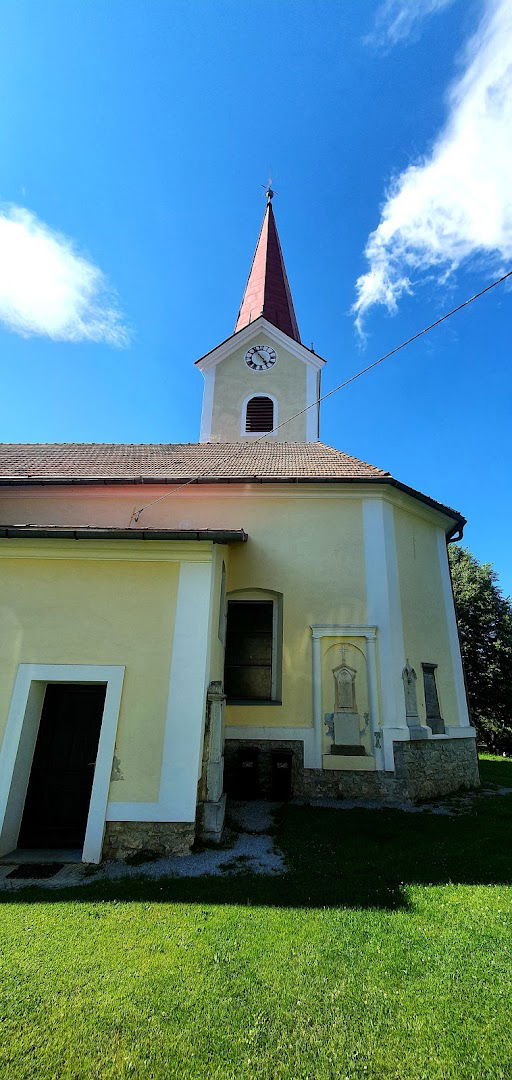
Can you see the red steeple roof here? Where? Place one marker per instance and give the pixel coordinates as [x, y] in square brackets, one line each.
[267, 291]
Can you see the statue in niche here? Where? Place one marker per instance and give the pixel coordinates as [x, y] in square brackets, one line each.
[344, 689]
[346, 722]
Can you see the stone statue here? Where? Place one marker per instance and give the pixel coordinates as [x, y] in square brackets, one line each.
[344, 689]
[411, 704]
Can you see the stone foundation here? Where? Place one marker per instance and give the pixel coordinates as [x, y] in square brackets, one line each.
[348, 784]
[125, 838]
[424, 769]
[430, 769]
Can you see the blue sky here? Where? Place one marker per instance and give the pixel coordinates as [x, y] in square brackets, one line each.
[134, 137]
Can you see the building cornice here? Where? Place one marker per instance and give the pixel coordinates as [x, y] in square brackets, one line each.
[242, 337]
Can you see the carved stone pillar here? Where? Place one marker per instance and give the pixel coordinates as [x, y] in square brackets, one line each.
[212, 809]
[411, 704]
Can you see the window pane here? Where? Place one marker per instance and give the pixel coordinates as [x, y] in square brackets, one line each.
[248, 668]
[249, 683]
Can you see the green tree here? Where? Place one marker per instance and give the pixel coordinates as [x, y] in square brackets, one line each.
[485, 628]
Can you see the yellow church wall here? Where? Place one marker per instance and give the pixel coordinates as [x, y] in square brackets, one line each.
[423, 610]
[234, 382]
[59, 611]
[305, 543]
[316, 561]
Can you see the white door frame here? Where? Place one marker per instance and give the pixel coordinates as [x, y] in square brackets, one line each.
[20, 738]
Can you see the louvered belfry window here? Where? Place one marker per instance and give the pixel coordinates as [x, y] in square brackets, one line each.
[259, 414]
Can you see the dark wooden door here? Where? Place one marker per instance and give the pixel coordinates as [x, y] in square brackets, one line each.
[59, 788]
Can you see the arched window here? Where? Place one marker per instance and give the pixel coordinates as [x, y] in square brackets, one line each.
[259, 414]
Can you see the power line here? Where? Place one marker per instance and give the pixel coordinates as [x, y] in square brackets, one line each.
[341, 386]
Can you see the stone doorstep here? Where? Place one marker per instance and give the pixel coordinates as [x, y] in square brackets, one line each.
[71, 873]
[42, 855]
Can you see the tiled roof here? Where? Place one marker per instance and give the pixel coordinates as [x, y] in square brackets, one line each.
[179, 461]
[264, 462]
[267, 291]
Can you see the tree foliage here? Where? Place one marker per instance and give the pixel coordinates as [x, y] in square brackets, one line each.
[485, 628]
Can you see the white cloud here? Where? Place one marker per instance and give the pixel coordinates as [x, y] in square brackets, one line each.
[457, 201]
[397, 19]
[47, 289]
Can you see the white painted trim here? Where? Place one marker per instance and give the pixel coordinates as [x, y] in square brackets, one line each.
[347, 630]
[312, 415]
[186, 705]
[275, 420]
[20, 738]
[384, 609]
[373, 697]
[457, 733]
[453, 635]
[317, 704]
[207, 409]
[197, 551]
[254, 329]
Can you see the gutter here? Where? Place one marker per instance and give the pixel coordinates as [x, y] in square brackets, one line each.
[56, 532]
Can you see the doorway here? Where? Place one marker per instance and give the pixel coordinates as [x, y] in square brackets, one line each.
[59, 788]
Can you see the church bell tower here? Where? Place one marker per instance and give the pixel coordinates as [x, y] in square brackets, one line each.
[262, 375]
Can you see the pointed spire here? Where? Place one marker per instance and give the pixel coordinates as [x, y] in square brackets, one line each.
[267, 291]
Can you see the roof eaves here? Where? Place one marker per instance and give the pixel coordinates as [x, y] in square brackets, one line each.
[90, 532]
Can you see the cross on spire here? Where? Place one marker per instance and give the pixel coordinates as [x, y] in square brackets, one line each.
[268, 190]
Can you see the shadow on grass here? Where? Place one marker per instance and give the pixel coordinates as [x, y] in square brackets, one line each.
[341, 858]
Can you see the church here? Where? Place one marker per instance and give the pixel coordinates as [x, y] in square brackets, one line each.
[256, 614]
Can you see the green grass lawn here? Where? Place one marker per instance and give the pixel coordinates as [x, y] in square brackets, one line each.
[385, 952]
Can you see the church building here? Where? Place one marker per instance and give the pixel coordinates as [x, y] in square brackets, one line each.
[256, 614]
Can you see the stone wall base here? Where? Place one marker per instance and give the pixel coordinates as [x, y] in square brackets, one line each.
[424, 769]
[437, 767]
[125, 838]
[348, 784]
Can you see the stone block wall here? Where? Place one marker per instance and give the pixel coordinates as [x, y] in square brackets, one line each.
[430, 769]
[424, 769]
[352, 784]
[125, 838]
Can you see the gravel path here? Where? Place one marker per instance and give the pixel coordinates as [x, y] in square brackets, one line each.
[252, 849]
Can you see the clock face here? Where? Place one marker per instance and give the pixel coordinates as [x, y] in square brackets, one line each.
[260, 357]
